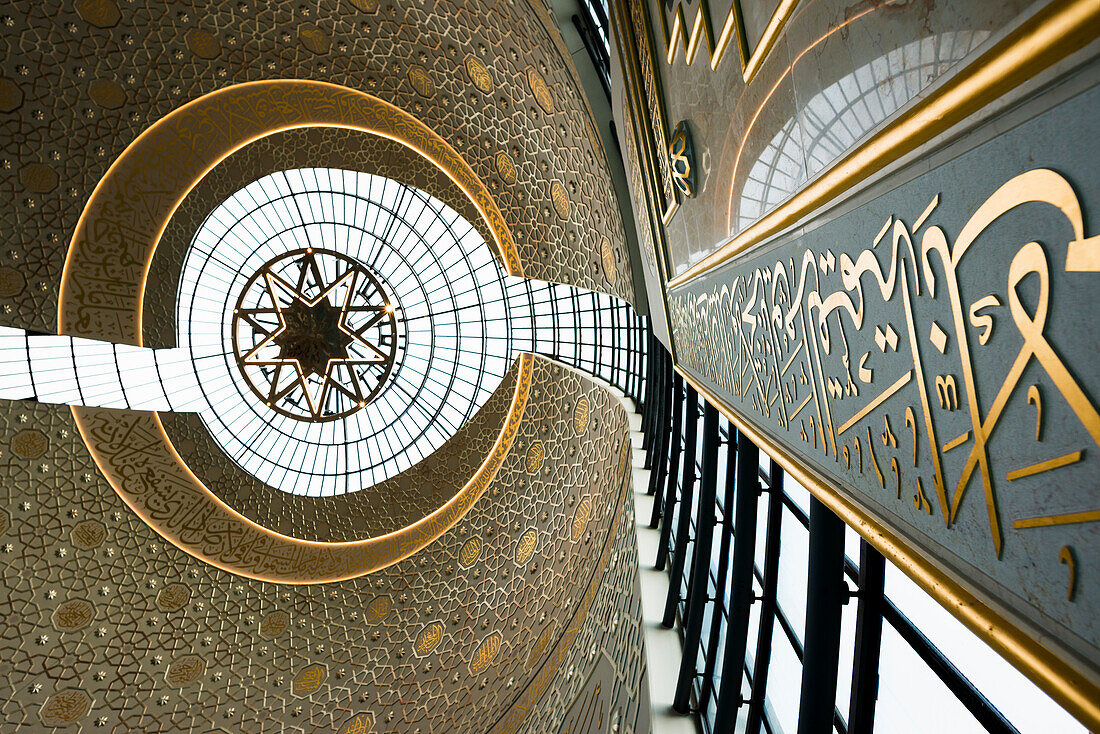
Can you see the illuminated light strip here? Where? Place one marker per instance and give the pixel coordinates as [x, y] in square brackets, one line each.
[1047, 465]
[902, 382]
[1067, 519]
[1054, 33]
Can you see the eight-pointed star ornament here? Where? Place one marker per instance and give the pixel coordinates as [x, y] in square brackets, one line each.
[315, 335]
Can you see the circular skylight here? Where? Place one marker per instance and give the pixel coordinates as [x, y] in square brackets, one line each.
[338, 327]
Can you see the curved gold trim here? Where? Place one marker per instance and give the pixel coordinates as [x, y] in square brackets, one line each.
[1079, 695]
[282, 559]
[188, 142]
[102, 289]
[1051, 35]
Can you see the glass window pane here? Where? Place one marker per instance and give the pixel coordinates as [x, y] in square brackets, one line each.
[1020, 700]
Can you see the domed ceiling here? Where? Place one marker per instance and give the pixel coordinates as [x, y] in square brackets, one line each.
[307, 551]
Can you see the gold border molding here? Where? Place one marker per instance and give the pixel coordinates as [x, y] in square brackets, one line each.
[132, 203]
[1054, 33]
[103, 285]
[1077, 693]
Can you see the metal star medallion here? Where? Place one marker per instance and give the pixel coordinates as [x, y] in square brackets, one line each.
[315, 335]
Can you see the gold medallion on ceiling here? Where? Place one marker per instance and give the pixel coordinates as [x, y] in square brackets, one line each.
[525, 546]
[203, 44]
[540, 90]
[377, 610]
[73, 615]
[101, 297]
[428, 638]
[469, 552]
[607, 256]
[485, 653]
[421, 81]
[581, 410]
[624, 458]
[107, 94]
[535, 455]
[38, 178]
[100, 13]
[173, 597]
[365, 6]
[29, 444]
[506, 168]
[12, 282]
[580, 518]
[185, 670]
[560, 199]
[314, 39]
[479, 74]
[309, 679]
[66, 707]
[88, 534]
[274, 625]
[11, 96]
[361, 723]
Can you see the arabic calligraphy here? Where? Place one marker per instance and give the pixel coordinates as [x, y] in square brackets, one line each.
[829, 347]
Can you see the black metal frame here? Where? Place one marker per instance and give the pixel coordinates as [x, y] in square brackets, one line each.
[725, 578]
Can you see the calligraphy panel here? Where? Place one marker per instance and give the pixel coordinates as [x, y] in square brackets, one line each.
[930, 354]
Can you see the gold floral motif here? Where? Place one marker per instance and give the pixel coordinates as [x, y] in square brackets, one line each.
[485, 653]
[88, 534]
[525, 547]
[361, 723]
[274, 625]
[309, 679]
[479, 74]
[421, 81]
[186, 669]
[607, 255]
[73, 615]
[469, 552]
[377, 609]
[535, 455]
[560, 200]
[173, 597]
[29, 444]
[506, 169]
[580, 518]
[62, 709]
[581, 412]
[540, 90]
[429, 638]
